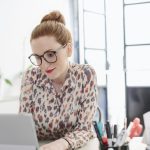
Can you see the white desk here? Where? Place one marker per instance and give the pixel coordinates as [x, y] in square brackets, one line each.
[135, 144]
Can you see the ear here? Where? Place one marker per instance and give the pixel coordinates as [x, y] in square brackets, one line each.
[69, 49]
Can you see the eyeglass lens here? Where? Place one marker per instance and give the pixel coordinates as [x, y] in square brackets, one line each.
[49, 56]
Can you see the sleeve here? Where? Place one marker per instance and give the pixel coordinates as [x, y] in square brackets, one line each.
[83, 131]
[26, 92]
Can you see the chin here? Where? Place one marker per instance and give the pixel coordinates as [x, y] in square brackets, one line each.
[52, 76]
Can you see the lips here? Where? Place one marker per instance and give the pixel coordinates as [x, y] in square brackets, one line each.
[50, 70]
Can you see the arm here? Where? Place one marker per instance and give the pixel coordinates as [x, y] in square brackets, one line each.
[83, 130]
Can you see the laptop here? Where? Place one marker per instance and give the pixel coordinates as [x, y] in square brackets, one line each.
[17, 132]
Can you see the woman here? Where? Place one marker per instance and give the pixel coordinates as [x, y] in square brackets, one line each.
[61, 96]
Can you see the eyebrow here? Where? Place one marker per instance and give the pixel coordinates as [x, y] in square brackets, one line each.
[52, 50]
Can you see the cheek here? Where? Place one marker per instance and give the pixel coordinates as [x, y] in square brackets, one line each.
[62, 60]
[42, 68]
[60, 64]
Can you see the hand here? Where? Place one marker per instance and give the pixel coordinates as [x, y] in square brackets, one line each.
[59, 144]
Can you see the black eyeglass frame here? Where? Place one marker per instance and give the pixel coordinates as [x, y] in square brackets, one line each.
[40, 56]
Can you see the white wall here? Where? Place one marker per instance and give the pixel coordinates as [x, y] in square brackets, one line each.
[18, 18]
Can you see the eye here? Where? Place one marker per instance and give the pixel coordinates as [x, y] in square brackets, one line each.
[50, 54]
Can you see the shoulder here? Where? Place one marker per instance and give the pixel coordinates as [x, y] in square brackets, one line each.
[82, 68]
[89, 73]
[86, 71]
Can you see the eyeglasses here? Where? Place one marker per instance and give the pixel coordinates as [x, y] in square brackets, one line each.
[49, 56]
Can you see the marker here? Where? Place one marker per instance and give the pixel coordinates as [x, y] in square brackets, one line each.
[115, 131]
[115, 134]
[108, 132]
[100, 128]
[98, 136]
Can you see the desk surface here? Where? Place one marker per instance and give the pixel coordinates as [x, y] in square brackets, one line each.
[135, 144]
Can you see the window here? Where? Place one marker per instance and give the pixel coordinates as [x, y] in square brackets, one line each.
[92, 43]
[137, 52]
[94, 30]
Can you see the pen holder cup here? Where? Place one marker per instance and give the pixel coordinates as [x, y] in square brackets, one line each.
[124, 147]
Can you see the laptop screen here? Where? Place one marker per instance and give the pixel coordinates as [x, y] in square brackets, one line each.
[17, 129]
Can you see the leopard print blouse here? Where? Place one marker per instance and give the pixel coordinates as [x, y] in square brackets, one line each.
[67, 114]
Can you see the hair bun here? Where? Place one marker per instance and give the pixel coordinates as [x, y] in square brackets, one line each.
[54, 16]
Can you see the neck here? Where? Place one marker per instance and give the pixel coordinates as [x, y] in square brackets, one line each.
[61, 80]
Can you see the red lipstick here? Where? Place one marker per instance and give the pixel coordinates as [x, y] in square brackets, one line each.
[50, 70]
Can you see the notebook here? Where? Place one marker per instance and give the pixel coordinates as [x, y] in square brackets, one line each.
[17, 132]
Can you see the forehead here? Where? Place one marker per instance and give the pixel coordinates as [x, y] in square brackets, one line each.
[43, 44]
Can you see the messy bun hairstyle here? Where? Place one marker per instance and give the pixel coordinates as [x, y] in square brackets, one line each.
[53, 24]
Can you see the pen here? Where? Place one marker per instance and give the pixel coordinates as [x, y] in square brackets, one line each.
[108, 132]
[98, 136]
[115, 130]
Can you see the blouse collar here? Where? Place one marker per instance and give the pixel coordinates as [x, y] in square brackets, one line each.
[45, 83]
